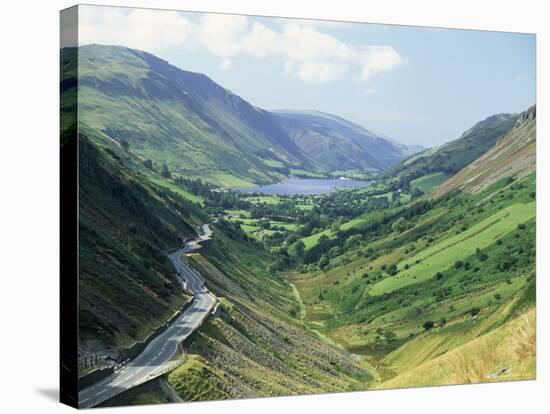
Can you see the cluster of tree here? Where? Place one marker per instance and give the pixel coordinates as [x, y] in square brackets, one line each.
[371, 230]
[349, 204]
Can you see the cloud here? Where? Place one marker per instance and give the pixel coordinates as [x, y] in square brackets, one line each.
[320, 71]
[150, 30]
[300, 47]
[221, 34]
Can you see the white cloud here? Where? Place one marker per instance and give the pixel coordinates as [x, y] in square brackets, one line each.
[221, 34]
[150, 30]
[321, 71]
[300, 47]
[378, 59]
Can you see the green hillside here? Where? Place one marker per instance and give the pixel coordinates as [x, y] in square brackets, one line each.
[514, 155]
[457, 266]
[178, 118]
[450, 158]
[127, 284]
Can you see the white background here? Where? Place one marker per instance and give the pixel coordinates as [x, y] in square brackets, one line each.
[29, 207]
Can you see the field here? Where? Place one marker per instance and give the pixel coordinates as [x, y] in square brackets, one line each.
[428, 182]
[454, 295]
[441, 256]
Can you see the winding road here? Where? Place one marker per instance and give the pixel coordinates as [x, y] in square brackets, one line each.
[156, 357]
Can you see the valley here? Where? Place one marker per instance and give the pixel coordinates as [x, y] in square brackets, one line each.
[340, 260]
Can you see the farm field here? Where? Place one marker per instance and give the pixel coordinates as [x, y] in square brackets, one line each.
[428, 182]
[441, 256]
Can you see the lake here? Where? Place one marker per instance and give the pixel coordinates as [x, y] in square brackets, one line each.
[293, 186]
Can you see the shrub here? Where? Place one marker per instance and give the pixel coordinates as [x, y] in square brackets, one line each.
[428, 325]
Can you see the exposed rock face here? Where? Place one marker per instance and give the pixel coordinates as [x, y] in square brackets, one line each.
[514, 155]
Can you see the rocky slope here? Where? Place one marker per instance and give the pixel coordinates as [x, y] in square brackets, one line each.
[514, 155]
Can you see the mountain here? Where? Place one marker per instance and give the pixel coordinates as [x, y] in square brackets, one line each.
[199, 129]
[455, 155]
[512, 156]
[179, 118]
[338, 144]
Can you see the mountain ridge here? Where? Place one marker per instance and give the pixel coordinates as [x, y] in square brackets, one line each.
[195, 126]
[335, 141]
[454, 155]
[512, 156]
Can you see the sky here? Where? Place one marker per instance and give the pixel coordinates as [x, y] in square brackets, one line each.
[416, 85]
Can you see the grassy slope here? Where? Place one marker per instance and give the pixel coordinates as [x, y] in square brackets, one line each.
[505, 353]
[428, 182]
[514, 155]
[127, 285]
[441, 256]
[254, 347]
[180, 118]
[339, 304]
[455, 155]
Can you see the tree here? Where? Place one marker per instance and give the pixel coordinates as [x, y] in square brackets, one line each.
[265, 224]
[324, 261]
[392, 270]
[165, 172]
[353, 240]
[148, 164]
[428, 325]
[416, 193]
[300, 248]
[400, 225]
[335, 251]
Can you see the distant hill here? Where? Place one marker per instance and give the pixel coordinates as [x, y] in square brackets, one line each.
[180, 118]
[455, 155]
[201, 130]
[513, 156]
[338, 144]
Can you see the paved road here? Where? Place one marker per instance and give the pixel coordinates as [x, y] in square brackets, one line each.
[160, 350]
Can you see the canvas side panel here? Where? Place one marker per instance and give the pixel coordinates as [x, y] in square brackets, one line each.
[69, 207]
